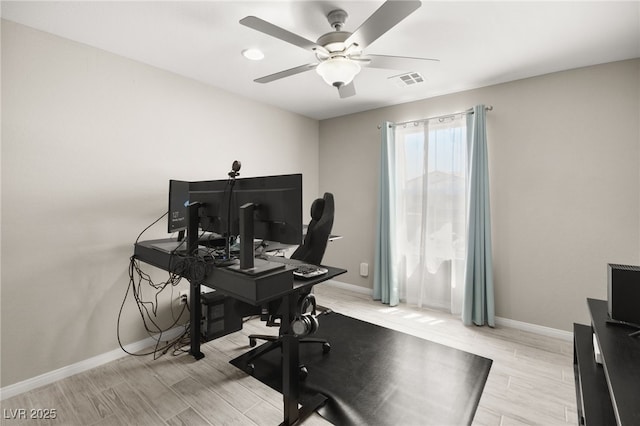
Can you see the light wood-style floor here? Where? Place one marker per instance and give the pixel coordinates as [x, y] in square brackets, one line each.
[530, 383]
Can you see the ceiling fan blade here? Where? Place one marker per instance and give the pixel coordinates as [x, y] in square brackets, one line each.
[347, 90]
[285, 73]
[279, 33]
[382, 20]
[405, 63]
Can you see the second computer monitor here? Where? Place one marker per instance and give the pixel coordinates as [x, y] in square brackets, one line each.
[277, 211]
[277, 201]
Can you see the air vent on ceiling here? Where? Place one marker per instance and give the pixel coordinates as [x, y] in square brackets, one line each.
[408, 79]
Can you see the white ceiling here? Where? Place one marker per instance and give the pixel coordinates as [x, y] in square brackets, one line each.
[478, 43]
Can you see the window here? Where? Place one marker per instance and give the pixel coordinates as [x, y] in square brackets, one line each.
[431, 203]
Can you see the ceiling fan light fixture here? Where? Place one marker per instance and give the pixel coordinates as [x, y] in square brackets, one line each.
[338, 71]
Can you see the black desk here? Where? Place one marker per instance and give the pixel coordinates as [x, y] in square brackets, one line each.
[256, 291]
[606, 394]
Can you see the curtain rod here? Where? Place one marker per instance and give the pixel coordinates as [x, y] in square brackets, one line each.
[469, 111]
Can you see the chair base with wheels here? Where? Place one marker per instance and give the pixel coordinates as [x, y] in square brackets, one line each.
[304, 325]
[274, 343]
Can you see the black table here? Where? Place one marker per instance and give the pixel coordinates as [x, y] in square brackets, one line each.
[254, 290]
[607, 394]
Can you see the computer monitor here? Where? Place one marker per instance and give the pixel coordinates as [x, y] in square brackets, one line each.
[277, 207]
[277, 200]
[270, 209]
[215, 205]
[178, 206]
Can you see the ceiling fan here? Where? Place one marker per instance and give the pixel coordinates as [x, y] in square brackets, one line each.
[339, 53]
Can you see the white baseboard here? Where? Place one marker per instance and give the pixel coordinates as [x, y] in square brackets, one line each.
[70, 370]
[349, 287]
[534, 328]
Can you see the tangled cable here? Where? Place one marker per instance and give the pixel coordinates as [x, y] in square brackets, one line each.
[148, 309]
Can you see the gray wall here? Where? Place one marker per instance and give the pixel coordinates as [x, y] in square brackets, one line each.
[89, 142]
[564, 153]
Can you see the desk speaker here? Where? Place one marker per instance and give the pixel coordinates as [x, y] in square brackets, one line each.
[623, 290]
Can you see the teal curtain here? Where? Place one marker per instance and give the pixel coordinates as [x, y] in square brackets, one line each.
[385, 281]
[478, 302]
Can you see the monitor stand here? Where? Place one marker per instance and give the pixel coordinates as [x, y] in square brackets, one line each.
[259, 267]
[248, 263]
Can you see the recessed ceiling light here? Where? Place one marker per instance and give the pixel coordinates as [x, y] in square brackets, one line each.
[253, 54]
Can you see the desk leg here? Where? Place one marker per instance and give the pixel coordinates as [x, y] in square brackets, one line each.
[290, 362]
[290, 378]
[194, 301]
[195, 306]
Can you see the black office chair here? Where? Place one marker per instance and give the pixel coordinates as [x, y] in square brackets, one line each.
[315, 241]
[310, 251]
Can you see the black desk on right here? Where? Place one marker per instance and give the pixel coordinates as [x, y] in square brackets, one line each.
[607, 394]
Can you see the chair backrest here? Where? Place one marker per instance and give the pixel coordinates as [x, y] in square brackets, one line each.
[315, 241]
